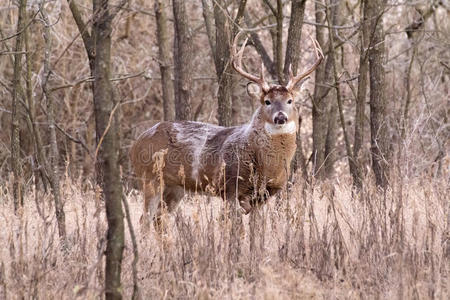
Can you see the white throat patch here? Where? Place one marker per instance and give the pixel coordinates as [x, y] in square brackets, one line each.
[274, 129]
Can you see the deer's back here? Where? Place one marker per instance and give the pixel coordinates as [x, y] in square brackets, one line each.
[193, 157]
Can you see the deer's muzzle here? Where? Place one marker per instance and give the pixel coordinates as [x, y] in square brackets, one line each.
[280, 118]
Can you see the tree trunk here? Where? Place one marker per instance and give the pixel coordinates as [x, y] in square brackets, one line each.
[275, 33]
[292, 56]
[98, 49]
[208, 16]
[330, 141]
[360, 102]
[183, 52]
[85, 35]
[332, 19]
[259, 47]
[333, 8]
[322, 104]
[15, 119]
[162, 32]
[222, 60]
[40, 167]
[279, 41]
[378, 119]
[223, 65]
[108, 143]
[53, 162]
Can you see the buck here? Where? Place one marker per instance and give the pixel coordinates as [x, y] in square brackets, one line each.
[247, 163]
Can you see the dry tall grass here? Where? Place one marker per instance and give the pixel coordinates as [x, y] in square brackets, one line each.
[318, 242]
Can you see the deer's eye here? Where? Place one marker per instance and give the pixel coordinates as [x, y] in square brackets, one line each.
[289, 101]
[267, 102]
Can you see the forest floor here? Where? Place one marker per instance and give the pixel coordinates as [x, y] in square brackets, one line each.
[322, 243]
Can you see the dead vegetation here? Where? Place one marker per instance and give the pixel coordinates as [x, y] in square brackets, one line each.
[319, 242]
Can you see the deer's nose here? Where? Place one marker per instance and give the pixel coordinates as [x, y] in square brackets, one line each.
[280, 118]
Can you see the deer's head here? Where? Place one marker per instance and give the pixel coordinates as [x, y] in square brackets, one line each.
[277, 101]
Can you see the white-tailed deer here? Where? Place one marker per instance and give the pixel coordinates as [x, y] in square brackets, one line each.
[248, 162]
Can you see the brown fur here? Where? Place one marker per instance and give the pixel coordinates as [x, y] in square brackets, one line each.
[243, 162]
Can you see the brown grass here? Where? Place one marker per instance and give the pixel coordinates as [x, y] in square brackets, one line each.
[319, 243]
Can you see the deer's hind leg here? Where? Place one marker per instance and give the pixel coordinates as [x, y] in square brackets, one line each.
[151, 203]
[172, 196]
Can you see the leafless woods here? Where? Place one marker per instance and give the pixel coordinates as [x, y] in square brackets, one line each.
[80, 80]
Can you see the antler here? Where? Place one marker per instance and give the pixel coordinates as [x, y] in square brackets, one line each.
[319, 54]
[237, 65]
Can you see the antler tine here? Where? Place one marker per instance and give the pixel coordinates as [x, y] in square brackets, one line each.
[319, 54]
[237, 65]
[240, 53]
[263, 80]
[317, 48]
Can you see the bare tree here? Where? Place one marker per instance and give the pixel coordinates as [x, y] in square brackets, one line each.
[357, 169]
[292, 57]
[225, 32]
[277, 36]
[374, 11]
[324, 109]
[15, 118]
[222, 63]
[162, 32]
[259, 47]
[97, 43]
[332, 17]
[52, 165]
[208, 16]
[107, 128]
[182, 54]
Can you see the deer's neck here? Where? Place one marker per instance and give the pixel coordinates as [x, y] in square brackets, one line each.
[274, 147]
[289, 128]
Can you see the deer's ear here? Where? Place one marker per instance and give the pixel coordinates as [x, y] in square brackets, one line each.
[254, 90]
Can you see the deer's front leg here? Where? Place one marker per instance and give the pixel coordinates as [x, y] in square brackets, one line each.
[245, 203]
[151, 200]
[243, 197]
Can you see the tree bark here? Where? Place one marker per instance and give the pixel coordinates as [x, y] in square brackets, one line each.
[88, 41]
[15, 119]
[208, 16]
[108, 143]
[279, 41]
[259, 47]
[292, 56]
[322, 151]
[52, 168]
[276, 34]
[164, 60]
[291, 60]
[40, 167]
[98, 49]
[183, 54]
[332, 19]
[330, 141]
[334, 11]
[222, 60]
[378, 114]
[223, 65]
[360, 102]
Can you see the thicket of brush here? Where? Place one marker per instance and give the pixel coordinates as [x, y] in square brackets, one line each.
[318, 240]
